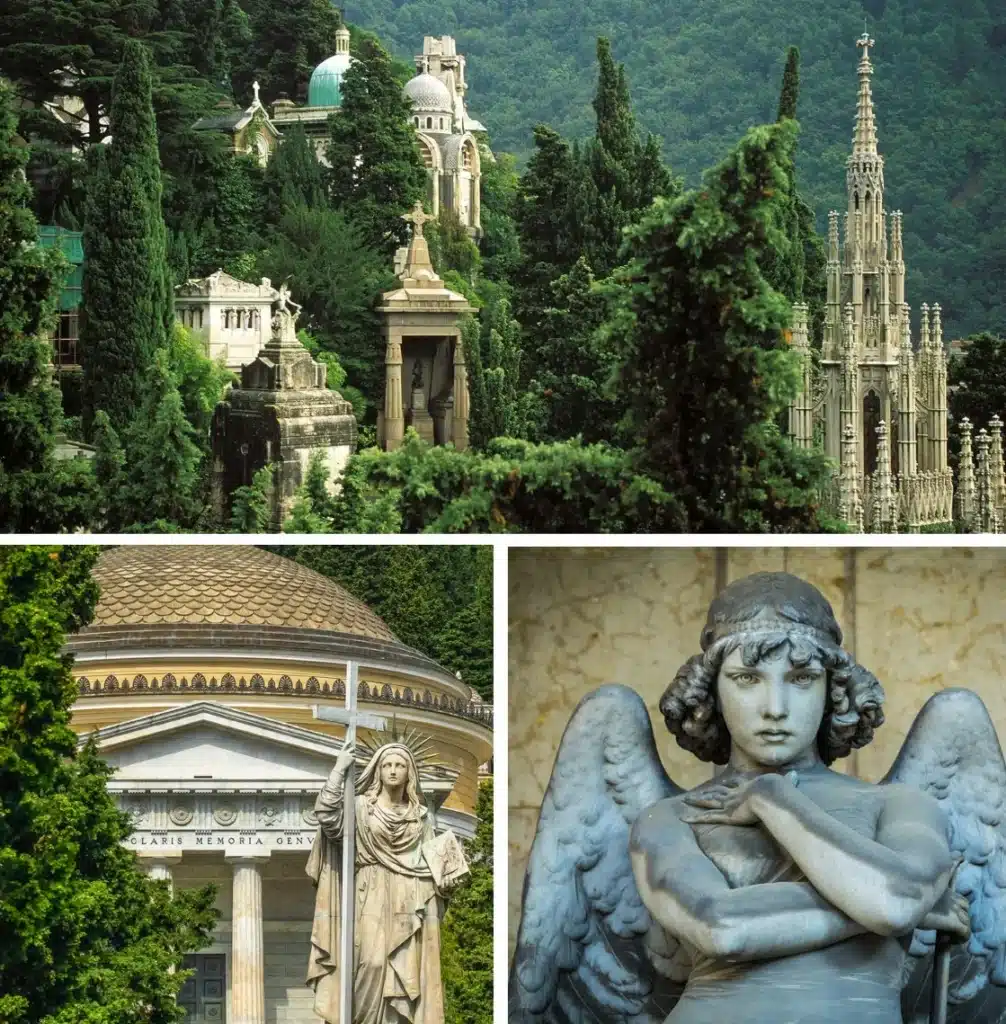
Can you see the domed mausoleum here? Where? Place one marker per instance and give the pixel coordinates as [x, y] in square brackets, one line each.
[197, 679]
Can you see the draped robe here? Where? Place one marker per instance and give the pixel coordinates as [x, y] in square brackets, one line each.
[396, 963]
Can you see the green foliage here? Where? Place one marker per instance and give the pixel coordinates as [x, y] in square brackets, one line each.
[574, 362]
[337, 277]
[706, 370]
[513, 486]
[500, 243]
[376, 169]
[704, 71]
[498, 406]
[30, 413]
[287, 42]
[87, 935]
[977, 382]
[293, 176]
[467, 935]
[127, 309]
[451, 247]
[790, 91]
[312, 502]
[434, 598]
[251, 505]
[201, 381]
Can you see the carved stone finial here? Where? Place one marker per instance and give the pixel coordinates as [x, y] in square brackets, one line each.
[255, 92]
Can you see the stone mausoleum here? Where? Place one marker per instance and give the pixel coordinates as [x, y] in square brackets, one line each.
[197, 678]
[281, 414]
[426, 379]
[232, 318]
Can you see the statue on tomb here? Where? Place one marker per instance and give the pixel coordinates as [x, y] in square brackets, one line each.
[403, 872]
[780, 890]
[417, 375]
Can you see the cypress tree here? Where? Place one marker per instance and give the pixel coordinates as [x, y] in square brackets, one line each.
[376, 169]
[790, 85]
[163, 457]
[30, 413]
[87, 935]
[616, 126]
[127, 309]
[706, 367]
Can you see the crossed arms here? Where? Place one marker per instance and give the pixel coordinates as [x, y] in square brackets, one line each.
[885, 885]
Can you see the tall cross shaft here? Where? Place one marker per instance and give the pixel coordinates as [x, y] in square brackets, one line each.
[350, 717]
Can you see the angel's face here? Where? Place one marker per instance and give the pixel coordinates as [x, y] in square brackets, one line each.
[773, 709]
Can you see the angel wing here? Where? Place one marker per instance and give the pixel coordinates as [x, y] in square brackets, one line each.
[952, 752]
[587, 950]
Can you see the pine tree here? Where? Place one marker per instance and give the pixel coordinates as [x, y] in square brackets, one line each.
[293, 176]
[30, 413]
[467, 950]
[549, 239]
[706, 367]
[376, 169]
[87, 935]
[127, 309]
[251, 505]
[573, 365]
[163, 457]
[109, 465]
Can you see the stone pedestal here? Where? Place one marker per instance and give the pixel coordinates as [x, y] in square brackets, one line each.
[420, 419]
[281, 414]
[247, 950]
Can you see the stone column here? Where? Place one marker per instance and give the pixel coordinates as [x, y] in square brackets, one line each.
[159, 866]
[394, 415]
[459, 428]
[247, 952]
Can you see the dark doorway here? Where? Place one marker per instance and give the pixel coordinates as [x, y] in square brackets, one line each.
[204, 995]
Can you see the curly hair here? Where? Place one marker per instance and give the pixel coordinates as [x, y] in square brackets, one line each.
[853, 705]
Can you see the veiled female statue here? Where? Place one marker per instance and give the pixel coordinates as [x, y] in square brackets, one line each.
[779, 891]
[398, 903]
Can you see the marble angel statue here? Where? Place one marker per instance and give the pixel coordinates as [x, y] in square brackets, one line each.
[403, 872]
[780, 891]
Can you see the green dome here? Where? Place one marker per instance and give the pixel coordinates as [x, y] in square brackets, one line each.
[325, 88]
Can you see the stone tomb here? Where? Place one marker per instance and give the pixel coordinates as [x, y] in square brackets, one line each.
[280, 414]
[426, 378]
[223, 795]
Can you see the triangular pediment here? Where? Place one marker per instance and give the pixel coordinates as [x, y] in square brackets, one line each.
[211, 745]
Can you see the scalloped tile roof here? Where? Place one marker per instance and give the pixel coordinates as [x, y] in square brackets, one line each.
[211, 584]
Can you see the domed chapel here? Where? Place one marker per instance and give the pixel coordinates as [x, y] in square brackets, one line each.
[197, 679]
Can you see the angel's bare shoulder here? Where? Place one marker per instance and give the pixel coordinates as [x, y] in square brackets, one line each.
[660, 826]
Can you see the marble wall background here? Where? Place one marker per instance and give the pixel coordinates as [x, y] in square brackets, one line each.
[920, 619]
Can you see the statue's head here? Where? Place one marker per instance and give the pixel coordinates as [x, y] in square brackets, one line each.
[772, 678]
[392, 765]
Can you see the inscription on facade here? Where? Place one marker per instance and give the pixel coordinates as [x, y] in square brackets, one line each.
[190, 840]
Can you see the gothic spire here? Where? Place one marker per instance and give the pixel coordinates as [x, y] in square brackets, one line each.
[864, 140]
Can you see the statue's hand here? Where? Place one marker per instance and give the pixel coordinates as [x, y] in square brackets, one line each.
[951, 914]
[345, 761]
[727, 802]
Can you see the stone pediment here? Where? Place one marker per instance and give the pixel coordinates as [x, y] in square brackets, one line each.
[211, 746]
[207, 746]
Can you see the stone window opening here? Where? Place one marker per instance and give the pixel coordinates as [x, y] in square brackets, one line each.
[429, 122]
[239, 322]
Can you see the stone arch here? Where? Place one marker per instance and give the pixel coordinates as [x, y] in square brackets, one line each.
[871, 418]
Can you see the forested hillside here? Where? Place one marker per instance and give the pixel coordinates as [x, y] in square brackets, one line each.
[703, 71]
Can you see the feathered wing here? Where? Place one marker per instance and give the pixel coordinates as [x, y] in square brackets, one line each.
[587, 950]
[952, 752]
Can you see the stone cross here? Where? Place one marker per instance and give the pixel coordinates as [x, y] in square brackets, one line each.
[255, 88]
[350, 718]
[417, 218]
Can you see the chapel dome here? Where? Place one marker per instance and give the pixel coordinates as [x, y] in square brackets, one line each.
[213, 585]
[428, 93]
[325, 87]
